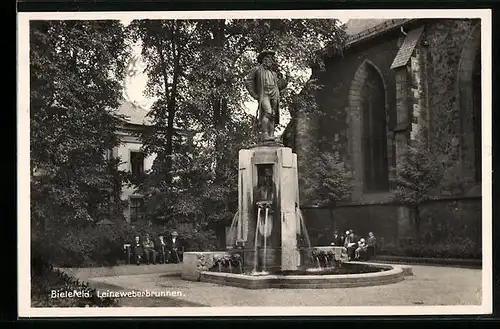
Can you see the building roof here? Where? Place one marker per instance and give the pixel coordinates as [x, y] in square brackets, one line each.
[404, 53]
[355, 26]
[362, 29]
[134, 114]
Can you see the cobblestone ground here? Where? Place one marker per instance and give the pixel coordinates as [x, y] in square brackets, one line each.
[430, 285]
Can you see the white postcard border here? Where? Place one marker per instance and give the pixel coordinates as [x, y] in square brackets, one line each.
[23, 143]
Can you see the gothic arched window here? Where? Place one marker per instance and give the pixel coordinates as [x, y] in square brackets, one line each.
[476, 95]
[374, 137]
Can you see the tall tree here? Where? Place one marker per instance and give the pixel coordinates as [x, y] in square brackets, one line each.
[214, 58]
[76, 69]
[167, 48]
[228, 52]
[418, 175]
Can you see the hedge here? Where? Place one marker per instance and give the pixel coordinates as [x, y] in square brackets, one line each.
[97, 245]
[45, 279]
[462, 249]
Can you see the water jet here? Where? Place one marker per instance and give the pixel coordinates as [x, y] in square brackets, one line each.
[265, 231]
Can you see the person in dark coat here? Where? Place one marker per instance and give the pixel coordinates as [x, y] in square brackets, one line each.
[175, 247]
[338, 240]
[351, 244]
[149, 250]
[162, 249]
[137, 250]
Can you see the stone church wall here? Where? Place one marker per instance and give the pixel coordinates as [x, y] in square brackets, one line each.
[434, 91]
[452, 46]
[444, 221]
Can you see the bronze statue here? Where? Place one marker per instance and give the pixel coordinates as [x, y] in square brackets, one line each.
[264, 83]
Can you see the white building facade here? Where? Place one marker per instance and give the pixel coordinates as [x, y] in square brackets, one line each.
[133, 160]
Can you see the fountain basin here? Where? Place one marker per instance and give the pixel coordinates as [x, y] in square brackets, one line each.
[387, 274]
[195, 262]
[197, 267]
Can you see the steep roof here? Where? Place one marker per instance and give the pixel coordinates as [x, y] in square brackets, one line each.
[354, 26]
[134, 113]
[362, 29]
[404, 53]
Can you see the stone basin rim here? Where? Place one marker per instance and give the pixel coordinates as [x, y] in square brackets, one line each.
[391, 270]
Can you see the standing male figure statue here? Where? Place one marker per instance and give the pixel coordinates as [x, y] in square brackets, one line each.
[264, 84]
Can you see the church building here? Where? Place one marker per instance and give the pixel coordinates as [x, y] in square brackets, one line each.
[394, 78]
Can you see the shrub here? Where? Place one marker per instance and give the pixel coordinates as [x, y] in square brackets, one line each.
[200, 240]
[89, 246]
[45, 279]
[96, 245]
[326, 179]
[464, 249]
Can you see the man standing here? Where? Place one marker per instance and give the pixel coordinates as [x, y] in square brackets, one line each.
[264, 84]
[175, 247]
[162, 249]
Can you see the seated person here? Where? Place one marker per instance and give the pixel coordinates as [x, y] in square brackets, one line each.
[162, 249]
[371, 245]
[350, 244]
[149, 250]
[175, 248]
[137, 250]
[361, 249]
[338, 240]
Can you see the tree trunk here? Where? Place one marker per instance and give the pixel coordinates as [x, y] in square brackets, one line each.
[220, 110]
[220, 232]
[220, 116]
[170, 98]
[417, 222]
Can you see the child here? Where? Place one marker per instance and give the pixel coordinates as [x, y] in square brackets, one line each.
[361, 248]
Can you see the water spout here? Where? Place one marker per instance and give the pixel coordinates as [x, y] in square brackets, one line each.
[256, 239]
[303, 227]
[304, 233]
[265, 240]
[232, 230]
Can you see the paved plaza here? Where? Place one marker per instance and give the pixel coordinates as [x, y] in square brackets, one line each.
[430, 285]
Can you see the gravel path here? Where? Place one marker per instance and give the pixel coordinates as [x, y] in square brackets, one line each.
[430, 285]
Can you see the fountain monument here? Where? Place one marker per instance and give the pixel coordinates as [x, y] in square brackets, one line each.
[268, 220]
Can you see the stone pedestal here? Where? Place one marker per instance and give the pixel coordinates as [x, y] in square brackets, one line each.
[196, 262]
[257, 166]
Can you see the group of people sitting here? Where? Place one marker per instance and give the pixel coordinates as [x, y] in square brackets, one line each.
[357, 247]
[165, 250]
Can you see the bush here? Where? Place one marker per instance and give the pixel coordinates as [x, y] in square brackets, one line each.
[200, 240]
[96, 245]
[45, 279]
[85, 247]
[463, 249]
